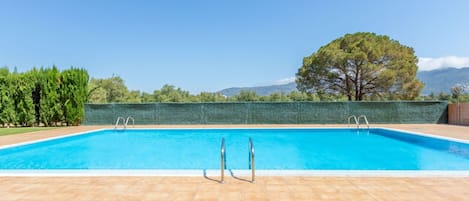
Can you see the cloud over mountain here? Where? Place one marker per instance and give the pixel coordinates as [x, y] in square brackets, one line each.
[426, 63]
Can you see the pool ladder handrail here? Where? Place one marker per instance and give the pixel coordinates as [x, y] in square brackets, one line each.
[357, 120]
[365, 119]
[222, 161]
[127, 121]
[252, 164]
[118, 120]
[357, 123]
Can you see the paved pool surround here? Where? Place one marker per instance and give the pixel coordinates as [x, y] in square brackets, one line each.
[312, 187]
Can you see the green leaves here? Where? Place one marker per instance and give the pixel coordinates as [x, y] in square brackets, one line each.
[7, 112]
[45, 96]
[50, 107]
[361, 66]
[74, 93]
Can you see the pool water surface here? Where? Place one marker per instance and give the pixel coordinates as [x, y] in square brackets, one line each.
[275, 149]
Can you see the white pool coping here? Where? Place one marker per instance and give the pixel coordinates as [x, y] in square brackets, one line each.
[233, 173]
[236, 173]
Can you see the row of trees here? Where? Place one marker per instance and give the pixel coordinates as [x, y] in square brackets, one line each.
[113, 90]
[45, 95]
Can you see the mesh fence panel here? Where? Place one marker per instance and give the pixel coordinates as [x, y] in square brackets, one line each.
[225, 113]
[268, 113]
[376, 112]
[322, 112]
[99, 114]
[145, 113]
[422, 112]
[179, 113]
[273, 113]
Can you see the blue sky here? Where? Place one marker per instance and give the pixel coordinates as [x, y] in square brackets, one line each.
[208, 45]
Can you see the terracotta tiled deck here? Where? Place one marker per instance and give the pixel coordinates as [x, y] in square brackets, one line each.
[265, 188]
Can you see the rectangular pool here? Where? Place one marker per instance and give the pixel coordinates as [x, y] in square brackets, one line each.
[276, 149]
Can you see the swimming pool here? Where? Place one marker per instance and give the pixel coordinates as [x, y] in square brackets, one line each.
[276, 149]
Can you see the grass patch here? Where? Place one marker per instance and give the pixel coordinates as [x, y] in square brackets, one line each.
[12, 131]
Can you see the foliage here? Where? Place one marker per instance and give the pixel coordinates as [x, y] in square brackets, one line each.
[74, 92]
[111, 90]
[45, 96]
[452, 98]
[245, 96]
[361, 65]
[169, 93]
[134, 96]
[299, 96]
[276, 97]
[22, 98]
[147, 97]
[98, 92]
[50, 105]
[210, 97]
[7, 112]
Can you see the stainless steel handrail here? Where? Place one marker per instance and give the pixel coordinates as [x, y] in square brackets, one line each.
[117, 122]
[252, 163]
[222, 161]
[127, 121]
[354, 118]
[364, 118]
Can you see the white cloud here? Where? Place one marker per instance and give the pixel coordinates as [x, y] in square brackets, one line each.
[426, 63]
[276, 82]
[284, 81]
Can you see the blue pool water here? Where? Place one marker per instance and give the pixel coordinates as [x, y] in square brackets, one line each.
[276, 149]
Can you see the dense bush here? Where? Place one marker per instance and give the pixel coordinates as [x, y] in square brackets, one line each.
[42, 96]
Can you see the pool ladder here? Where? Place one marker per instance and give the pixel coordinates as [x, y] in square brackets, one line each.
[357, 120]
[252, 164]
[222, 161]
[125, 121]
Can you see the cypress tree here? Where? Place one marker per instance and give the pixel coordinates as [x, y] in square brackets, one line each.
[22, 86]
[7, 112]
[50, 106]
[73, 94]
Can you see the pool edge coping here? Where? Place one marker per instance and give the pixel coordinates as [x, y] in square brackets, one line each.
[233, 173]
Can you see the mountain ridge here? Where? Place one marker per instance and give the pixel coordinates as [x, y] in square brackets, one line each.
[436, 81]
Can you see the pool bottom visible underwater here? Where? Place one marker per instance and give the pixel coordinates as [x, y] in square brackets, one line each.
[275, 149]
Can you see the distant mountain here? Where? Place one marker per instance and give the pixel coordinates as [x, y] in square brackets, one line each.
[436, 81]
[441, 80]
[263, 90]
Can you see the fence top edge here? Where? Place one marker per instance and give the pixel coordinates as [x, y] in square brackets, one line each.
[263, 102]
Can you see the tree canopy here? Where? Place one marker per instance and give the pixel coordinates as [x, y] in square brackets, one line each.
[361, 66]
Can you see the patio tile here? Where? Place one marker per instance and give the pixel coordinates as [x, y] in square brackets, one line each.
[265, 188]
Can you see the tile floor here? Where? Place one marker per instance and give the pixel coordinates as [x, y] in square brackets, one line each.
[200, 188]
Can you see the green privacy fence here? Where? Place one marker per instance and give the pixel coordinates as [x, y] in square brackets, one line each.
[268, 112]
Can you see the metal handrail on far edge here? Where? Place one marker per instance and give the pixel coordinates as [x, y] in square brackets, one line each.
[118, 120]
[127, 121]
[364, 118]
[252, 164]
[354, 118]
[222, 161]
